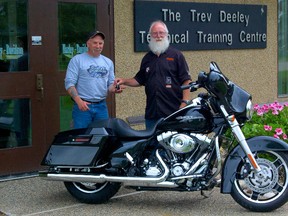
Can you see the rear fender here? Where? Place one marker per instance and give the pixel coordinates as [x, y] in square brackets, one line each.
[234, 158]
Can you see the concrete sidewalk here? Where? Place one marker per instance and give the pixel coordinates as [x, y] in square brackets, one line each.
[35, 196]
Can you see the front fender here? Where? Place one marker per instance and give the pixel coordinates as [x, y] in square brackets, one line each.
[234, 158]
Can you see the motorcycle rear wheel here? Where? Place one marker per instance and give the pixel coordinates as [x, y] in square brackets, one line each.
[264, 191]
[92, 193]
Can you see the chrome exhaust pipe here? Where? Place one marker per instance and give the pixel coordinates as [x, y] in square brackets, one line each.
[127, 181]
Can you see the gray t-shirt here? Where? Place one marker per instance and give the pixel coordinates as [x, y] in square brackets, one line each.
[91, 76]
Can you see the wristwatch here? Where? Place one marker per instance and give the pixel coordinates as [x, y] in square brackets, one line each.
[185, 101]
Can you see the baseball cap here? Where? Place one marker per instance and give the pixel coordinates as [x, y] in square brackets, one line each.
[94, 34]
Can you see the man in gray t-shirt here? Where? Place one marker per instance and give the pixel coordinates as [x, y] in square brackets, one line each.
[89, 77]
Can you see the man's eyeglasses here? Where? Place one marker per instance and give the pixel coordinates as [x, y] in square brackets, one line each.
[161, 34]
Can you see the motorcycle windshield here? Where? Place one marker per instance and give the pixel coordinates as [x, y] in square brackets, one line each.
[230, 95]
[237, 98]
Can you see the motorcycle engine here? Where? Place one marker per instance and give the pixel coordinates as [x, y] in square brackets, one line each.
[178, 143]
[178, 149]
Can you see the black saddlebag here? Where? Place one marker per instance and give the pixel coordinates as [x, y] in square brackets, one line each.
[78, 147]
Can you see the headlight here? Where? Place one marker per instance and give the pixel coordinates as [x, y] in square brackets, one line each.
[249, 110]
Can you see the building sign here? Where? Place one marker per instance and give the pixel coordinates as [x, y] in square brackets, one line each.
[36, 40]
[71, 51]
[11, 52]
[203, 26]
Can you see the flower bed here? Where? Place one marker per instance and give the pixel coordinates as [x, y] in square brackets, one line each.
[268, 119]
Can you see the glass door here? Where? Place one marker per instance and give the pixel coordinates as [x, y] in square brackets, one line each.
[72, 36]
[15, 118]
[37, 40]
[19, 132]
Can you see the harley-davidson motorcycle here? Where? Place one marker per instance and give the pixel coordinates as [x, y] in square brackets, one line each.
[183, 152]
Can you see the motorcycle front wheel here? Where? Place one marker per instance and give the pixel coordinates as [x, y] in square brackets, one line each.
[264, 191]
[92, 193]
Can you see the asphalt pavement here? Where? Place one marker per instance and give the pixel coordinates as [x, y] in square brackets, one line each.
[35, 196]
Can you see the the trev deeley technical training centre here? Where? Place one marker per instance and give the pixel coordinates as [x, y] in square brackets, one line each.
[247, 39]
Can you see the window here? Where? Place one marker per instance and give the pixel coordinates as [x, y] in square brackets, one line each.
[13, 36]
[15, 123]
[75, 20]
[282, 48]
[73, 29]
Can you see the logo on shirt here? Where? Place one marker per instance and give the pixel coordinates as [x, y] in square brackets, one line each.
[168, 82]
[147, 69]
[97, 71]
[169, 59]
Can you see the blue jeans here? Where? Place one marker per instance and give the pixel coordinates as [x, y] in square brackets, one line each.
[82, 119]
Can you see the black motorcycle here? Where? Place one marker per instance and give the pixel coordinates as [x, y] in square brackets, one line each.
[183, 152]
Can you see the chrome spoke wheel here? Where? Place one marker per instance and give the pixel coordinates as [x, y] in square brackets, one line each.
[87, 187]
[264, 190]
[89, 192]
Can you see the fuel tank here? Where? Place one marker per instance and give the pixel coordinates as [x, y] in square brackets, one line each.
[197, 119]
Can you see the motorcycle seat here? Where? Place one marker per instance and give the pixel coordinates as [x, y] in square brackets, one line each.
[122, 129]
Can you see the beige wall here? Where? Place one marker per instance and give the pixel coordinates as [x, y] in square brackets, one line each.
[253, 69]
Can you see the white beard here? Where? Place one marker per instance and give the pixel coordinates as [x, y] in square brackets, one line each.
[159, 47]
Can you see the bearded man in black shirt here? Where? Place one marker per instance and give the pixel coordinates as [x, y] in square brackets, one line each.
[163, 70]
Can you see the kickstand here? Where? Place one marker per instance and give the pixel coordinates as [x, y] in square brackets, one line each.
[206, 195]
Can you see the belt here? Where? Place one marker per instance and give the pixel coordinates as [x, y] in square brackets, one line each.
[93, 102]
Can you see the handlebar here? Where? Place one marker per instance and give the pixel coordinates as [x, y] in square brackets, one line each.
[193, 86]
[200, 82]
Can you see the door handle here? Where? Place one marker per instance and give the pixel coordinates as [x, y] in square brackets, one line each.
[39, 85]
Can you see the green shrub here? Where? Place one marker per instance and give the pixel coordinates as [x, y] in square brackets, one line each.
[268, 119]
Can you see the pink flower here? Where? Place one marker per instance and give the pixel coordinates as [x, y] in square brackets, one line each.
[276, 103]
[256, 106]
[279, 131]
[275, 112]
[265, 108]
[276, 136]
[276, 106]
[267, 128]
[260, 112]
[272, 105]
[280, 107]
[284, 136]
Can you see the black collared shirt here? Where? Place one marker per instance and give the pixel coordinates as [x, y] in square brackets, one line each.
[162, 77]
